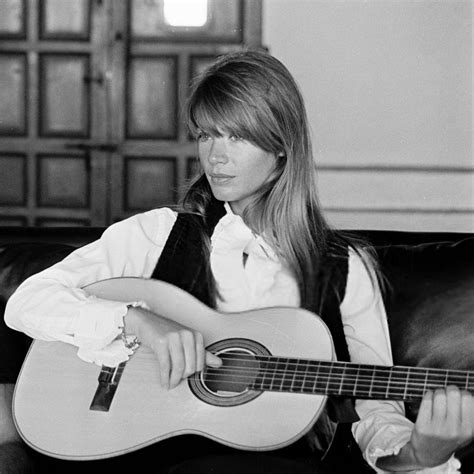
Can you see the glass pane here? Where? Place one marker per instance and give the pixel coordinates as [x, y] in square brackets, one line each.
[11, 17]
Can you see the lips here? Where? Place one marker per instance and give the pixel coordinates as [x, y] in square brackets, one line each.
[220, 178]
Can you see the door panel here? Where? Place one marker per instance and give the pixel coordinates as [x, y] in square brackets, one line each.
[12, 93]
[151, 182]
[63, 181]
[12, 179]
[152, 98]
[64, 95]
[65, 19]
[12, 19]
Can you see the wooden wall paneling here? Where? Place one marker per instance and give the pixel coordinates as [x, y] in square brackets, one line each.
[396, 197]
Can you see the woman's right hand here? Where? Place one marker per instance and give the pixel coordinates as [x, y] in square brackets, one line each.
[179, 349]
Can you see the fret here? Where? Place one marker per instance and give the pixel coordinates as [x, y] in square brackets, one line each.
[328, 379]
[292, 372]
[436, 379]
[456, 378]
[272, 380]
[364, 381]
[354, 389]
[379, 384]
[298, 374]
[338, 379]
[388, 387]
[397, 385]
[267, 375]
[322, 378]
[309, 384]
[282, 367]
[305, 375]
[341, 383]
[407, 379]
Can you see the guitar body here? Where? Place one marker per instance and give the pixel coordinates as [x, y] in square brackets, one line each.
[55, 388]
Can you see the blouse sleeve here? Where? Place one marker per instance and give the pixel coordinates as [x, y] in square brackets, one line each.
[383, 428]
[51, 305]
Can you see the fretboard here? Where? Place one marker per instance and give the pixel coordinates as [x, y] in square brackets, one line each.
[281, 374]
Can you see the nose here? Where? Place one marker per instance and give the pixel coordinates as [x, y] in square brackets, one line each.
[218, 151]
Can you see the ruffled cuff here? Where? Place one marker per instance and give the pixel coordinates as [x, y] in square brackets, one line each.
[98, 331]
[452, 466]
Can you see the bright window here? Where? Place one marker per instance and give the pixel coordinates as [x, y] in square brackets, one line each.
[185, 12]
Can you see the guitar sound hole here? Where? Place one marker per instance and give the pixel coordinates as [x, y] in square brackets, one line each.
[236, 374]
[232, 383]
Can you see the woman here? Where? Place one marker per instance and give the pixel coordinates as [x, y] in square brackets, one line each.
[250, 234]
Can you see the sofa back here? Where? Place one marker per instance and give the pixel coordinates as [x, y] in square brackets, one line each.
[429, 294]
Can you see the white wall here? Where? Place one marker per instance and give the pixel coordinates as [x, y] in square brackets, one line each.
[388, 87]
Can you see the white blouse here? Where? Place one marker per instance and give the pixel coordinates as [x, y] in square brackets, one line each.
[51, 306]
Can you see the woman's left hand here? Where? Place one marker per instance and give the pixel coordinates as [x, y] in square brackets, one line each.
[445, 422]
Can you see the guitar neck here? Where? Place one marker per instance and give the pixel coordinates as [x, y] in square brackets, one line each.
[347, 379]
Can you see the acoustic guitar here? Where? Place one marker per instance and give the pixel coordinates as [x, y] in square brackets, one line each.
[278, 371]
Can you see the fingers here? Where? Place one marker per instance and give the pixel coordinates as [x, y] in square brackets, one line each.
[181, 354]
[425, 412]
[447, 412]
[212, 360]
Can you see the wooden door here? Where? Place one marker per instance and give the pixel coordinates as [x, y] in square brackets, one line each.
[156, 156]
[52, 104]
[91, 97]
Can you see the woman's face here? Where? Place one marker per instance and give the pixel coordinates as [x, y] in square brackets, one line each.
[235, 168]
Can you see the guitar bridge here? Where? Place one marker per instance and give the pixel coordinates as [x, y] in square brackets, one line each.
[109, 378]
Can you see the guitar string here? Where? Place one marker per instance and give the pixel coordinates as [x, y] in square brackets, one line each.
[298, 376]
[337, 365]
[325, 378]
[323, 385]
[343, 376]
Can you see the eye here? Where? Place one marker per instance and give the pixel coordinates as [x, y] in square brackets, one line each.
[203, 137]
[235, 138]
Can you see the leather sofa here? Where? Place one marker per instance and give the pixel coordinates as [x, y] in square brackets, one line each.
[429, 294]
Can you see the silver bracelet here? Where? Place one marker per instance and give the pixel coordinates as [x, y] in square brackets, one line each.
[134, 343]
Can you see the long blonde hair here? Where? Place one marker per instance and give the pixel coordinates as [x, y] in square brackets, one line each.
[253, 95]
